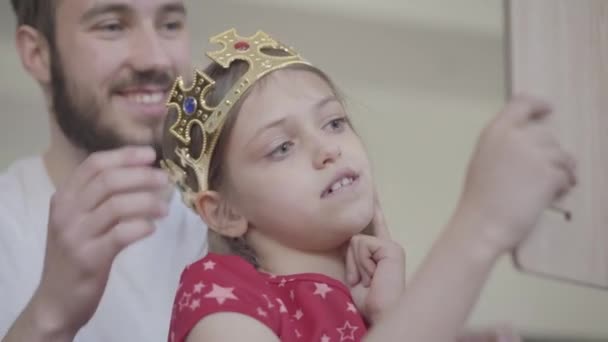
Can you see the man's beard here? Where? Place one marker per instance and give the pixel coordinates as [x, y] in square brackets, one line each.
[78, 112]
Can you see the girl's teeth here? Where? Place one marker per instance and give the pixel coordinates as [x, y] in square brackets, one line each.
[341, 183]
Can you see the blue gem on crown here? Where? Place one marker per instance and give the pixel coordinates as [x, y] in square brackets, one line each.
[190, 105]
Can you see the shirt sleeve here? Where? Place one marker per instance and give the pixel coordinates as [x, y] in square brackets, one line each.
[216, 285]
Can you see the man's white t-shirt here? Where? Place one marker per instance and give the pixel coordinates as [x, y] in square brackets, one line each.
[137, 303]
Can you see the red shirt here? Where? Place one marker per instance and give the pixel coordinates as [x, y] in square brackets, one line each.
[301, 307]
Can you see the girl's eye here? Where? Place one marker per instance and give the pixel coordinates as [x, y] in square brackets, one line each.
[338, 124]
[281, 150]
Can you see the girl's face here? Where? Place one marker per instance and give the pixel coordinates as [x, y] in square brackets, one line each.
[297, 171]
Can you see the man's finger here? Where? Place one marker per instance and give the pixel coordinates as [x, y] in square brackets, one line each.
[140, 205]
[122, 235]
[121, 180]
[100, 161]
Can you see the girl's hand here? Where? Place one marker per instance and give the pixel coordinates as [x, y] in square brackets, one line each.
[375, 269]
[517, 171]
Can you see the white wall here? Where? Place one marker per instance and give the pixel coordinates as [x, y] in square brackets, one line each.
[422, 77]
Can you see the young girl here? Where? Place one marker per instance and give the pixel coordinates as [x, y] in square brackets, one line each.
[263, 149]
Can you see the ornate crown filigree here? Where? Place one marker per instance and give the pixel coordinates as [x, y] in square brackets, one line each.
[192, 108]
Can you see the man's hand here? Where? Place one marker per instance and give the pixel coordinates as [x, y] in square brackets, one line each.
[108, 203]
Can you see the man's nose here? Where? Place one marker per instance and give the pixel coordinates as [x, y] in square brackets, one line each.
[147, 52]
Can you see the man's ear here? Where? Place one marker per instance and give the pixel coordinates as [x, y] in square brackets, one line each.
[34, 52]
[220, 215]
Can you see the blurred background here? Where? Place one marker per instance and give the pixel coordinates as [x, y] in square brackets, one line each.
[421, 78]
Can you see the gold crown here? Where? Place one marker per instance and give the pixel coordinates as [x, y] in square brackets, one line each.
[192, 108]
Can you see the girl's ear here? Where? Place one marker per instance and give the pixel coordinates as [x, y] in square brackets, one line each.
[219, 215]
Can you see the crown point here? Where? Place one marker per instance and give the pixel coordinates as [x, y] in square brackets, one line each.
[190, 105]
[242, 46]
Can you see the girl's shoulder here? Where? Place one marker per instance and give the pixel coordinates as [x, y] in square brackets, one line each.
[220, 283]
[224, 268]
[222, 279]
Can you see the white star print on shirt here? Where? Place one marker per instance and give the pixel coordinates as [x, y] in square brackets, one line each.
[198, 287]
[350, 335]
[270, 305]
[322, 289]
[221, 294]
[184, 301]
[261, 312]
[325, 338]
[195, 304]
[298, 315]
[282, 307]
[209, 265]
[351, 307]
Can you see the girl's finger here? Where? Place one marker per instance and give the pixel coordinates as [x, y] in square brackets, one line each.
[352, 273]
[369, 246]
[380, 229]
[363, 257]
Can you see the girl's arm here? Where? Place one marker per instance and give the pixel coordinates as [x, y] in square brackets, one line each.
[517, 171]
[438, 300]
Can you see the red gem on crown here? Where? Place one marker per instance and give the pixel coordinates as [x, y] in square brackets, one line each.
[241, 46]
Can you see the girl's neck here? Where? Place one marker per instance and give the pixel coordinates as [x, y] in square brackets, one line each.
[281, 260]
